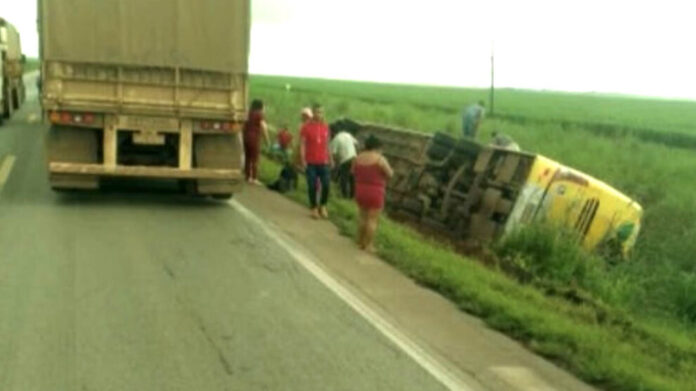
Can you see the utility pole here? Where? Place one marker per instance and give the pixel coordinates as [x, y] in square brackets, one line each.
[491, 96]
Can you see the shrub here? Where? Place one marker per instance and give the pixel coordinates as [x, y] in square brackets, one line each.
[543, 252]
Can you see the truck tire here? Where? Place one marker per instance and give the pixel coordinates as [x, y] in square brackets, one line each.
[345, 124]
[72, 145]
[16, 99]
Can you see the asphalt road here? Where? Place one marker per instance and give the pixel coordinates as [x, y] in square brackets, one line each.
[127, 290]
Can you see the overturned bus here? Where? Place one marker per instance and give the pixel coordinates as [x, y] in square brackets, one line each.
[477, 194]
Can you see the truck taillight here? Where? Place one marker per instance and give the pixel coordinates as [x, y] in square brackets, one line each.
[224, 126]
[65, 117]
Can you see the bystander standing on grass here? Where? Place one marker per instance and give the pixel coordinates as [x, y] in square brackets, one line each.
[372, 171]
[305, 117]
[344, 149]
[316, 161]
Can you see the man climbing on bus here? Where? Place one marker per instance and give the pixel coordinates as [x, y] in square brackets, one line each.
[471, 119]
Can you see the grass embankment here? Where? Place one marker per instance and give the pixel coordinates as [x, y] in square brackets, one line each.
[659, 280]
[598, 343]
[629, 326]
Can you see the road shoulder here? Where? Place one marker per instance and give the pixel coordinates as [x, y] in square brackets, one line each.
[460, 341]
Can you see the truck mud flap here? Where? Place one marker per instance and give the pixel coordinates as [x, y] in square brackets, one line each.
[222, 152]
[72, 145]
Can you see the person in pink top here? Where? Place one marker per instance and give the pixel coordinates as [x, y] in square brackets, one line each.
[316, 160]
[371, 171]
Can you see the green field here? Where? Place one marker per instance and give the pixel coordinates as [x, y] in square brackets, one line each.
[639, 146]
[662, 120]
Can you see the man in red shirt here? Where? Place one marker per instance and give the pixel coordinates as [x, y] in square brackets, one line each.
[316, 160]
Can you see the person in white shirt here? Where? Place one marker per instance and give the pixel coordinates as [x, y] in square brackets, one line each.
[344, 149]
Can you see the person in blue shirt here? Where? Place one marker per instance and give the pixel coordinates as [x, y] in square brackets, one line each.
[471, 119]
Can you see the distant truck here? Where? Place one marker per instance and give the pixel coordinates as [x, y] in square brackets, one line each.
[12, 60]
[477, 194]
[146, 89]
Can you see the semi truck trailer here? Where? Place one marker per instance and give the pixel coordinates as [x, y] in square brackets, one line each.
[145, 89]
[12, 91]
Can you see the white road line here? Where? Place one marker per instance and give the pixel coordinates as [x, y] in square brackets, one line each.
[412, 349]
[5, 169]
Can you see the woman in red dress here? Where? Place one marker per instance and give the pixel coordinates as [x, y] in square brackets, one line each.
[372, 171]
[255, 128]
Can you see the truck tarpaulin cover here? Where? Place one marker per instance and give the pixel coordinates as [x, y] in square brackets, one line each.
[10, 39]
[196, 34]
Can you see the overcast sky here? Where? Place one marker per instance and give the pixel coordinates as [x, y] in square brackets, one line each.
[625, 46]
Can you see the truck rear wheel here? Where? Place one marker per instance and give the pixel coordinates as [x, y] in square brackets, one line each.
[16, 99]
[67, 144]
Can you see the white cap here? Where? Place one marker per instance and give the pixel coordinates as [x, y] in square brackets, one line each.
[307, 112]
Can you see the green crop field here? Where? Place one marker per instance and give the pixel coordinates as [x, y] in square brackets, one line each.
[645, 148]
[671, 122]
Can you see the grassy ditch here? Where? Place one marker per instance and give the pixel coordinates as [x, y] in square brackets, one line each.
[660, 279]
[630, 325]
[600, 343]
